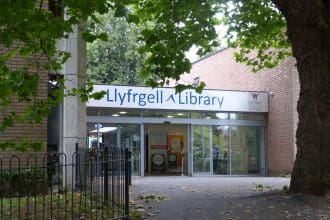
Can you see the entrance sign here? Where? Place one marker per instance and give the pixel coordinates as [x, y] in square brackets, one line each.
[166, 98]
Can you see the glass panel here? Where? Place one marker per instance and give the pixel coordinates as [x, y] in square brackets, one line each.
[209, 115]
[91, 111]
[91, 135]
[226, 116]
[251, 116]
[214, 115]
[231, 116]
[165, 114]
[261, 147]
[119, 112]
[108, 134]
[220, 150]
[221, 115]
[130, 138]
[235, 116]
[245, 150]
[196, 115]
[202, 148]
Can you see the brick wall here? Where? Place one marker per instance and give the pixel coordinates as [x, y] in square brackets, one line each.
[34, 132]
[220, 71]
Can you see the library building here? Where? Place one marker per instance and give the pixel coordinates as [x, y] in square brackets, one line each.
[241, 124]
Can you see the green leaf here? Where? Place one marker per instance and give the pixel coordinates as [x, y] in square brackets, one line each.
[103, 36]
[89, 37]
[120, 10]
[65, 57]
[37, 146]
[133, 18]
[8, 121]
[98, 95]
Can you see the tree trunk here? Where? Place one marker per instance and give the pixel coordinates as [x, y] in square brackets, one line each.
[308, 29]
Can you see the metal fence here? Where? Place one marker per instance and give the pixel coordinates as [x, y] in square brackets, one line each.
[90, 184]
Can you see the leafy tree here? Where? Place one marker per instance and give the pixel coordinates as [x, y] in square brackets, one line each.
[30, 28]
[116, 61]
[266, 31]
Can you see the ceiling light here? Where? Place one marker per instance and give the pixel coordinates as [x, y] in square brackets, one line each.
[169, 116]
[115, 115]
[123, 113]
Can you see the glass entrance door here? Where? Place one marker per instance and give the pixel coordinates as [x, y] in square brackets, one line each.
[117, 135]
[234, 150]
[220, 140]
[202, 142]
[166, 148]
[129, 137]
[246, 147]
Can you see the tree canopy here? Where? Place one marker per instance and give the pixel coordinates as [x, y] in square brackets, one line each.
[30, 29]
[117, 60]
[258, 29]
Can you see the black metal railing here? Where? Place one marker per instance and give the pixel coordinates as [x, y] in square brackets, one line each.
[89, 184]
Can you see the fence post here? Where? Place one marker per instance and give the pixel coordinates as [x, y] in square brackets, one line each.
[130, 167]
[1, 189]
[127, 182]
[106, 174]
[76, 171]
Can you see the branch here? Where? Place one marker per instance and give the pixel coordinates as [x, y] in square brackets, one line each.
[40, 5]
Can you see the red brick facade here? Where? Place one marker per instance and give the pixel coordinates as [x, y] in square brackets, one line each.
[220, 71]
[35, 132]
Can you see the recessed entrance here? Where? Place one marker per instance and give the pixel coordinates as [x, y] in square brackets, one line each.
[166, 148]
[189, 143]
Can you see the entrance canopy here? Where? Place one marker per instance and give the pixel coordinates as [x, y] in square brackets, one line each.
[167, 99]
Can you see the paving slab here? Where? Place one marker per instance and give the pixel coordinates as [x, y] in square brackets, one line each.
[223, 197]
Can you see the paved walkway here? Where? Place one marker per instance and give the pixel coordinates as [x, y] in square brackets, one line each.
[218, 197]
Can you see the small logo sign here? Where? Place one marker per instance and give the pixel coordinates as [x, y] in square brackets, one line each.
[254, 103]
[255, 96]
